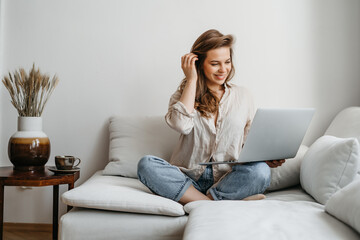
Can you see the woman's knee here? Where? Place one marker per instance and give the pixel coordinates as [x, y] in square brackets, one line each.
[148, 164]
[144, 165]
[258, 172]
[262, 174]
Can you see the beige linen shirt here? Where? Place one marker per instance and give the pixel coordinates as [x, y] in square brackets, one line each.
[202, 140]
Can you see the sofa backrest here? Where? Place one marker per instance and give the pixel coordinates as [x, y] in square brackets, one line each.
[346, 124]
[131, 138]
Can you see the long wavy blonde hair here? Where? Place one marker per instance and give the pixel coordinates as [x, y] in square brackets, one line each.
[206, 103]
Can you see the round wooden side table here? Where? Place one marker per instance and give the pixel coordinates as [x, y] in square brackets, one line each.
[10, 177]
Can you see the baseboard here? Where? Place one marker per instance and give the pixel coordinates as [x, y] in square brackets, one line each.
[36, 227]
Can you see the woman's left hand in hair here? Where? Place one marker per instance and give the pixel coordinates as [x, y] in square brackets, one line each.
[275, 163]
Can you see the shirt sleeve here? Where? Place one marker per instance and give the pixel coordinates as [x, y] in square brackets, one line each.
[178, 117]
[250, 114]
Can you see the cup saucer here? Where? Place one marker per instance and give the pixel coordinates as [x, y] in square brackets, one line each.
[60, 171]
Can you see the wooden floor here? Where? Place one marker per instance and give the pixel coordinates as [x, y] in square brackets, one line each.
[24, 231]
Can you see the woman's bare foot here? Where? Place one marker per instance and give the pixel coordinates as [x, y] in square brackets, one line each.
[255, 197]
[192, 194]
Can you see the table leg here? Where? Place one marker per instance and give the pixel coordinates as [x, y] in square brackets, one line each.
[55, 211]
[1, 210]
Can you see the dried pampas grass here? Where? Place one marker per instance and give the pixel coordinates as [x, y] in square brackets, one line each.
[29, 92]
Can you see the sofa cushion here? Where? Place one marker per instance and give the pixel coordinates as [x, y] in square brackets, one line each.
[259, 220]
[131, 138]
[345, 205]
[120, 194]
[290, 194]
[92, 224]
[329, 165]
[288, 174]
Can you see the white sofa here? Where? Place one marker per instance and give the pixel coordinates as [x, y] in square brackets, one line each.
[313, 196]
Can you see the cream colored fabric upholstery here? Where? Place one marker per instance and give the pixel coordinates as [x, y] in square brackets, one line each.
[329, 165]
[263, 220]
[346, 124]
[131, 138]
[288, 174]
[90, 224]
[345, 205]
[138, 214]
[120, 194]
[289, 195]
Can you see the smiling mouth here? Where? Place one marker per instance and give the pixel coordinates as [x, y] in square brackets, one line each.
[220, 77]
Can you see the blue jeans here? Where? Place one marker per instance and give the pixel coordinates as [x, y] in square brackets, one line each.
[168, 181]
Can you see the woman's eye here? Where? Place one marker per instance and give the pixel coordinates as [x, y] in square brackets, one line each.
[216, 64]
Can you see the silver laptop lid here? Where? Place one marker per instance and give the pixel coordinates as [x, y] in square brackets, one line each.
[276, 134]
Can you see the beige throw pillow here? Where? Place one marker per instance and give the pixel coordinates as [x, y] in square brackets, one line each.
[345, 205]
[330, 164]
[131, 138]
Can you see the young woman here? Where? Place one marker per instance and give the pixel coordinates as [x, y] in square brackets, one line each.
[213, 118]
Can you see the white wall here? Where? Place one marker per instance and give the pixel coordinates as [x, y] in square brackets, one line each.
[123, 57]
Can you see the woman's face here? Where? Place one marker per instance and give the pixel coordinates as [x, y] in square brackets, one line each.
[217, 66]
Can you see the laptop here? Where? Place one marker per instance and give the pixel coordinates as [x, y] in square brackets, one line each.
[274, 134]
